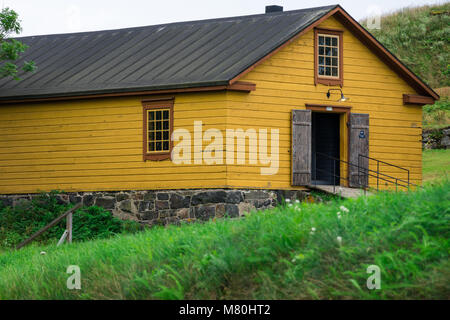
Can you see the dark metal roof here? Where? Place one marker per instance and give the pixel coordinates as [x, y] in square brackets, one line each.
[169, 56]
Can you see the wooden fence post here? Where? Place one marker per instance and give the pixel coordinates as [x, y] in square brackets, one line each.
[69, 227]
[51, 224]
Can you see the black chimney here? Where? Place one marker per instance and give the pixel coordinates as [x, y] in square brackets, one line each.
[270, 9]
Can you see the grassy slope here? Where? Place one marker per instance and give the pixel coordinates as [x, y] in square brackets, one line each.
[420, 37]
[436, 165]
[269, 254]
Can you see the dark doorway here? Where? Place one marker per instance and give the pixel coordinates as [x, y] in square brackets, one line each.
[325, 148]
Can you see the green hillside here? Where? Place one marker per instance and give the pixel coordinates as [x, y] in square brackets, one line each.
[420, 37]
[298, 251]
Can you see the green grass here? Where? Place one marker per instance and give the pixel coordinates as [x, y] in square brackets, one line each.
[435, 165]
[266, 255]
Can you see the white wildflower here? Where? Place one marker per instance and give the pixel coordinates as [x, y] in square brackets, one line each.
[297, 201]
[288, 200]
[43, 253]
[312, 230]
[339, 240]
[344, 209]
[339, 214]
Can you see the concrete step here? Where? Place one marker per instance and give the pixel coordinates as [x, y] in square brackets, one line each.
[343, 192]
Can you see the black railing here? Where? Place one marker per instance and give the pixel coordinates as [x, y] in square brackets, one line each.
[378, 162]
[333, 174]
[363, 173]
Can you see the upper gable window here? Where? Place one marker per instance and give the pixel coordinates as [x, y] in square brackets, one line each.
[328, 57]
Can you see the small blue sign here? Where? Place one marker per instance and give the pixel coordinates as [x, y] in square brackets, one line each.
[362, 134]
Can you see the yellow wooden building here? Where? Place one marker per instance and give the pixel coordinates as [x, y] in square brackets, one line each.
[108, 110]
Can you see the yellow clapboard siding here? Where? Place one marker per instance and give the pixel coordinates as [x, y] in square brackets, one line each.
[42, 186]
[286, 104]
[162, 166]
[252, 170]
[296, 99]
[149, 172]
[111, 178]
[97, 145]
[351, 79]
[135, 116]
[307, 74]
[260, 114]
[102, 111]
[284, 164]
[55, 138]
[67, 129]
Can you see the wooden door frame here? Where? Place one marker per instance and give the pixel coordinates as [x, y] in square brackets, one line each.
[345, 110]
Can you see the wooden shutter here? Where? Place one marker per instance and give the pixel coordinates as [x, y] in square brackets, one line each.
[301, 147]
[359, 144]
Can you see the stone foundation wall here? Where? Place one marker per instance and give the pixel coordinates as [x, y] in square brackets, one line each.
[436, 138]
[173, 206]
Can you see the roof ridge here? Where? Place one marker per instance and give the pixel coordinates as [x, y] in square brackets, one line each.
[82, 33]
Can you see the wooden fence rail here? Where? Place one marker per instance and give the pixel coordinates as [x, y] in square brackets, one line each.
[67, 234]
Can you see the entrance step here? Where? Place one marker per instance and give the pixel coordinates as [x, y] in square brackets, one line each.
[343, 192]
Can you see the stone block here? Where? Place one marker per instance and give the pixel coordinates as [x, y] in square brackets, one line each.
[178, 201]
[149, 196]
[162, 196]
[161, 205]
[122, 196]
[106, 202]
[232, 210]
[234, 197]
[220, 210]
[126, 206]
[183, 213]
[256, 195]
[150, 215]
[215, 196]
[88, 200]
[205, 212]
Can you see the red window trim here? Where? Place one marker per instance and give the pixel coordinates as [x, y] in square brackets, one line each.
[166, 103]
[327, 81]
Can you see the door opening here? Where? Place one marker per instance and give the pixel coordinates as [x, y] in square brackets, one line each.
[325, 148]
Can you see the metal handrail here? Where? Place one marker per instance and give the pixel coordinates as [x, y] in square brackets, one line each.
[362, 186]
[388, 164]
[365, 171]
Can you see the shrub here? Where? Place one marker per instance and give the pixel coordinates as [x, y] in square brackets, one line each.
[27, 217]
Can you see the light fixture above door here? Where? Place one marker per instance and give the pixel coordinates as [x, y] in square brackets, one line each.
[342, 99]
